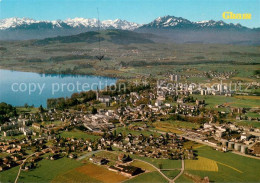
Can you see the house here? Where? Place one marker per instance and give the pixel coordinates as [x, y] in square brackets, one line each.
[104, 99]
[245, 136]
[54, 156]
[98, 160]
[158, 102]
[36, 126]
[72, 156]
[124, 158]
[129, 170]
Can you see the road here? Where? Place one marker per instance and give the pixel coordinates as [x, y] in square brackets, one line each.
[94, 152]
[182, 170]
[156, 169]
[208, 144]
[17, 177]
[87, 154]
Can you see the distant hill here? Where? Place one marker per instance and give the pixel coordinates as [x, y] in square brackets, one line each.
[114, 36]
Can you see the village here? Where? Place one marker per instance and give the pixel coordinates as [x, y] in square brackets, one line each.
[41, 134]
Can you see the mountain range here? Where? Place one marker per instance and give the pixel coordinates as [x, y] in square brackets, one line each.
[26, 23]
[173, 29]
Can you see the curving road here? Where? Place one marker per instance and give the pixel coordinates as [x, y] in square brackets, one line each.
[156, 169]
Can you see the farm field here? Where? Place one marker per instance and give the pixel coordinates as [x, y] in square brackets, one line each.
[89, 173]
[202, 164]
[194, 145]
[75, 177]
[253, 124]
[230, 167]
[172, 126]
[161, 163]
[184, 179]
[100, 173]
[171, 173]
[212, 101]
[79, 134]
[43, 173]
[148, 177]
[143, 166]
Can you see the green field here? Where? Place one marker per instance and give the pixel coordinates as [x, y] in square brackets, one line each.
[164, 163]
[21, 136]
[45, 171]
[171, 173]
[212, 101]
[231, 167]
[253, 124]
[184, 179]
[27, 110]
[143, 166]
[172, 125]
[153, 177]
[75, 177]
[79, 134]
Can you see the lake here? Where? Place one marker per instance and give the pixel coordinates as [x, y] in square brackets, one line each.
[18, 88]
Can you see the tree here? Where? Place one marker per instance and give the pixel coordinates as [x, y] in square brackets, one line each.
[114, 133]
[26, 105]
[41, 110]
[93, 110]
[167, 136]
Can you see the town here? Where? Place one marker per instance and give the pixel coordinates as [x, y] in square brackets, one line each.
[153, 119]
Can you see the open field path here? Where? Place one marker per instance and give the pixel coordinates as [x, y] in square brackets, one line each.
[182, 170]
[17, 177]
[156, 169]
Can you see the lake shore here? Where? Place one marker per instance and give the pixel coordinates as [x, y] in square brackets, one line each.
[20, 88]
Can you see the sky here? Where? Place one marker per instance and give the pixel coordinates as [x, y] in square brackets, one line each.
[139, 11]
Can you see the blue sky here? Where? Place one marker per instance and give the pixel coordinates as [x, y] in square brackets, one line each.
[140, 11]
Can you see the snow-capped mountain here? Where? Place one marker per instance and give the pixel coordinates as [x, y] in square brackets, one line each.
[25, 28]
[217, 24]
[120, 24]
[172, 22]
[16, 23]
[13, 22]
[168, 22]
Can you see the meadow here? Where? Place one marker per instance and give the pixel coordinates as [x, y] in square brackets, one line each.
[148, 177]
[171, 173]
[143, 166]
[161, 163]
[79, 134]
[223, 167]
[46, 170]
[174, 126]
[89, 173]
[236, 101]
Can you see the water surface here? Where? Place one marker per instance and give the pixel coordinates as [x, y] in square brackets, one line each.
[18, 88]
